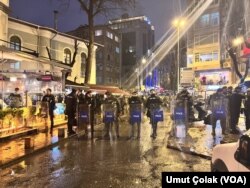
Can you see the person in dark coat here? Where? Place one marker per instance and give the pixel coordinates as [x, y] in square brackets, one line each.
[247, 110]
[50, 99]
[153, 102]
[235, 107]
[89, 99]
[71, 103]
[135, 104]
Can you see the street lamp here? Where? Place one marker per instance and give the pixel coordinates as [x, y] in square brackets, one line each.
[143, 62]
[178, 23]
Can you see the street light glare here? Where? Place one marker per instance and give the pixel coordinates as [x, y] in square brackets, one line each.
[238, 41]
[143, 61]
[179, 22]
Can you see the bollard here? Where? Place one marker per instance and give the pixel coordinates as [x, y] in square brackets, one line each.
[28, 143]
[61, 132]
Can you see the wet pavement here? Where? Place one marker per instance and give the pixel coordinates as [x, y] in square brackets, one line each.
[104, 162]
[14, 149]
[199, 140]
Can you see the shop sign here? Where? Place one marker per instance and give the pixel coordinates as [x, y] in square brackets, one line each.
[47, 78]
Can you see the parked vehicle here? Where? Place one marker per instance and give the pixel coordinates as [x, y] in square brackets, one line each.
[232, 157]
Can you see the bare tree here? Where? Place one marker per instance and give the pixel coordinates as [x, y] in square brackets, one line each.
[93, 8]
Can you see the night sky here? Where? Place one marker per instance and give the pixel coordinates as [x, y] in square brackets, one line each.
[40, 12]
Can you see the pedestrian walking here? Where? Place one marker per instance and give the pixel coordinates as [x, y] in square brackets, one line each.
[50, 99]
[70, 111]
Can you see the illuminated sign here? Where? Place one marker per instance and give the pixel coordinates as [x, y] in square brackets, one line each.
[47, 78]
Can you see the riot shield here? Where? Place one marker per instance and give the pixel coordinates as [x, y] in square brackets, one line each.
[156, 113]
[180, 118]
[83, 114]
[135, 111]
[109, 111]
[220, 116]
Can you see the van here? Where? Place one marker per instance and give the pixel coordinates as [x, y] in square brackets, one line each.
[232, 157]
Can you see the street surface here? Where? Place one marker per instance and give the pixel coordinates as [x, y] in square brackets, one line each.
[104, 162]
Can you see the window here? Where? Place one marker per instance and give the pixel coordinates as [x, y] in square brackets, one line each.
[108, 58]
[83, 64]
[117, 50]
[197, 57]
[15, 43]
[206, 57]
[109, 35]
[116, 39]
[67, 56]
[15, 65]
[206, 39]
[204, 20]
[215, 18]
[98, 32]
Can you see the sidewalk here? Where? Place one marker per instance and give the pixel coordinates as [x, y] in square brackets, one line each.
[199, 140]
[13, 150]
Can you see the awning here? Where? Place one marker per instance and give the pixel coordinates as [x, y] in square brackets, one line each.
[101, 89]
[71, 84]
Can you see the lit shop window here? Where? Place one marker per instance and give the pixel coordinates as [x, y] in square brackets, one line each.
[15, 43]
[67, 56]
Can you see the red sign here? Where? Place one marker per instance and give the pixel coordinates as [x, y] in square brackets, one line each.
[47, 77]
[246, 51]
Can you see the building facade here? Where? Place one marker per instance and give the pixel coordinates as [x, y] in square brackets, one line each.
[108, 57]
[31, 51]
[137, 38]
[208, 39]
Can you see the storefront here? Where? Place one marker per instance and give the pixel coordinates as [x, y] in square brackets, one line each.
[218, 77]
[32, 76]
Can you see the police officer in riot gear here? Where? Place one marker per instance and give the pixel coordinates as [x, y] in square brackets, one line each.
[218, 102]
[153, 103]
[235, 107]
[135, 100]
[110, 99]
[70, 111]
[247, 110]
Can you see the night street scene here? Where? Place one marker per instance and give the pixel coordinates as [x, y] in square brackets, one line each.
[113, 93]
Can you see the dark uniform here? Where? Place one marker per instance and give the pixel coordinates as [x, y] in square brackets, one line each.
[112, 100]
[136, 101]
[218, 102]
[153, 103]
[247, 110]
[235, 107]
[71, 103]
[50, 99]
